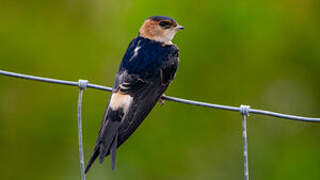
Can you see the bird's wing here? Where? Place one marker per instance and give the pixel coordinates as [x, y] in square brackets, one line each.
[134, 95]
[120, 102]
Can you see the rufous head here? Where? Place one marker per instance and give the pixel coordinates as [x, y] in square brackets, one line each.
[160, 28]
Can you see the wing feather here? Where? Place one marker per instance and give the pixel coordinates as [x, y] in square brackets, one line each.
[139, 77]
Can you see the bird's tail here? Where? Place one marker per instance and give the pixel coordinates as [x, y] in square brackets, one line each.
[107, 140]
[95, 154]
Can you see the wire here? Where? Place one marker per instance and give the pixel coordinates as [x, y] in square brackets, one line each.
[82, 87]
[245, 110]
[175, 99]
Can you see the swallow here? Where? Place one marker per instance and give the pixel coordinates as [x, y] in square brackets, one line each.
[147, 68]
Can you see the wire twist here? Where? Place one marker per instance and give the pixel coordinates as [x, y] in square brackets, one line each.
[244, 110]
[83, 84]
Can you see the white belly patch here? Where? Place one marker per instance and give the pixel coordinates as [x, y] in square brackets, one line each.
[119, 100]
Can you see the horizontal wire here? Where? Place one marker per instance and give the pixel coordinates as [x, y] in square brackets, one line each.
[175, 99]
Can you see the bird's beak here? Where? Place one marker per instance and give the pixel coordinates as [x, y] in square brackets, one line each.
[180, 27]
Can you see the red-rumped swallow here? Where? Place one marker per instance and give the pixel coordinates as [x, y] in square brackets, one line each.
[147, 68]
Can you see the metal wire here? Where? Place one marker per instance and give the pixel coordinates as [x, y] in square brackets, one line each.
[245, 147]
[81, 89]
[185, 101]
[243, 109]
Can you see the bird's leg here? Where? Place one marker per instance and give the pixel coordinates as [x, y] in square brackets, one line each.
[162, 100]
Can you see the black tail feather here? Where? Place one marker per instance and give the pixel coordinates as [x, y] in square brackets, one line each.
[107, 140]
[93, 157]
[113, 151]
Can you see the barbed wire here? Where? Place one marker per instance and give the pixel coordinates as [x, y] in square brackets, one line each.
[245, 110]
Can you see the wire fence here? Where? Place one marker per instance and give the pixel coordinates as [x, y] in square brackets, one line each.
[244, 110]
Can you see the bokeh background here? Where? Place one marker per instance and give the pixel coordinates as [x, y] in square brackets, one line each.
[265, 54]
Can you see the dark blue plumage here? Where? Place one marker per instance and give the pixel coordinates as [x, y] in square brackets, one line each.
[145, 72]
[150, 56]
[149, 61]
[158, 18]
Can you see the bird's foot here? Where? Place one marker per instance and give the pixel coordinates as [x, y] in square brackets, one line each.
[162, 100]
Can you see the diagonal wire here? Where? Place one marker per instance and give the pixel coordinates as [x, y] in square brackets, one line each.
[185, 101]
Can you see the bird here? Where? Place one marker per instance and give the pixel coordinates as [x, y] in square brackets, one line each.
[146, 70]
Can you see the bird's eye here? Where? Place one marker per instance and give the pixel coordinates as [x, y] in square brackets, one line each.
[164, 23]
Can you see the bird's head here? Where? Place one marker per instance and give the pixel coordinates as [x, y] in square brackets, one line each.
[160, 28]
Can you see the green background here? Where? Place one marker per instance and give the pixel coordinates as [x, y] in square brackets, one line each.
[265, 54]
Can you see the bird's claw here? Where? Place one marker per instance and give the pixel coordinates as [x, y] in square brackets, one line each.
[161, 100]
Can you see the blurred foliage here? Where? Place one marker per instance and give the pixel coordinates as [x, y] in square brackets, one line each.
[262, 53]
